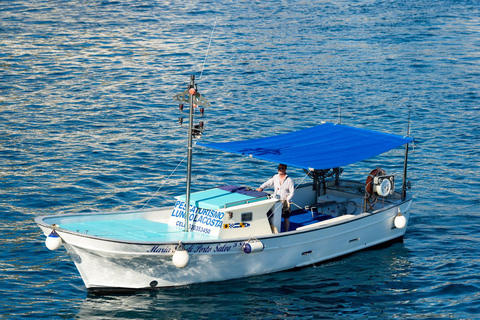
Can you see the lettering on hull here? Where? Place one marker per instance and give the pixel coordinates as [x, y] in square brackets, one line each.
[200, 248]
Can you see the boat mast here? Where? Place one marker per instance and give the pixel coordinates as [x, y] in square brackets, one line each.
[194, 99]
[192, 91]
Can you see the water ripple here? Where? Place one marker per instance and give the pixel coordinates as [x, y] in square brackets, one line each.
[88, 123]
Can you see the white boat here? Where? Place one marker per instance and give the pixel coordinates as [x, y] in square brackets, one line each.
[228, 234]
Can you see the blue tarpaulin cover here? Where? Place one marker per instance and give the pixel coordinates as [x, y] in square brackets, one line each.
[321, 147]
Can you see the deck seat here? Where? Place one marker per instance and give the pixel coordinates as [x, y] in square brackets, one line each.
[302, 217]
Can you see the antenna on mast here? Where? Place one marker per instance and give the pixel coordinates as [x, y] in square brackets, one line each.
[209, 43]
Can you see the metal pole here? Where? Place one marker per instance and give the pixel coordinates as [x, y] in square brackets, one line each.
[189, 161]
[404, 183]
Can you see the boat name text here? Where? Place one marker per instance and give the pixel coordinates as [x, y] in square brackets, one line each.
[200, 248]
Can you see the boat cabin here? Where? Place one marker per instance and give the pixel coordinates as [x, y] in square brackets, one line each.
[232, 211]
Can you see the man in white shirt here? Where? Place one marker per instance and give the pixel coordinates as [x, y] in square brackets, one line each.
[283, 186]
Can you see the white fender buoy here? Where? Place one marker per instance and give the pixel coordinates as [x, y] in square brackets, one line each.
[400, 221]
[53, 241]
[252, 247]
[181, 257]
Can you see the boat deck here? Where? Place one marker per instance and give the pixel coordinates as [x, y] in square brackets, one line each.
[152, 231]
[134, 230]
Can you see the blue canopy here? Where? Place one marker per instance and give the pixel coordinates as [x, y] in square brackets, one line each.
[325, 146]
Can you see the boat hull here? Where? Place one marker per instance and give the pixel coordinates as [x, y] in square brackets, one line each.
[106, 264]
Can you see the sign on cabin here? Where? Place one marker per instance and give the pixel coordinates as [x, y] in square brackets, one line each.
[207, 221]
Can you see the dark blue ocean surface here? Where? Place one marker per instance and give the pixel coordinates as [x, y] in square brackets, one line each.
[87, 123]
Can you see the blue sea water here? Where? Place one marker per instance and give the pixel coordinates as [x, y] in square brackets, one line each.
[87, 123]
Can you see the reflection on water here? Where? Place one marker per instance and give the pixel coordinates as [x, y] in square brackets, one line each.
[329, 288]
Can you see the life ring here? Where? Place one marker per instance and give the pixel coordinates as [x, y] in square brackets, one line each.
[369, 183]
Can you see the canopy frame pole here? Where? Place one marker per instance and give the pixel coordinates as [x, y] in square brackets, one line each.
[404, 182]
